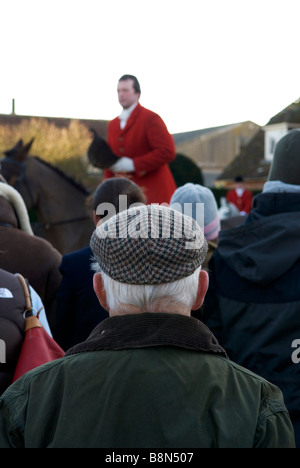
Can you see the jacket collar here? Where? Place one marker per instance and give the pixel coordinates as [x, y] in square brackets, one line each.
[132, 118]
[271, 203]
[148, 330]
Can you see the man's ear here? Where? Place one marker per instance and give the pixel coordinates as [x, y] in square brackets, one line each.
[99, 290]
[96, 218]
[202, 289]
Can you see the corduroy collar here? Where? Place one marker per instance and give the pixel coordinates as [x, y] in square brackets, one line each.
[148, 330]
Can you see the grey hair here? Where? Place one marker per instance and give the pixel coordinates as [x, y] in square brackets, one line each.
[150, 298]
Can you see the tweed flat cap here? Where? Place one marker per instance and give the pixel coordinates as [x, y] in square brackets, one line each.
[149, 244]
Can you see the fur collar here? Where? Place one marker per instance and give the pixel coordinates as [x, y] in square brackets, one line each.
[13, 196]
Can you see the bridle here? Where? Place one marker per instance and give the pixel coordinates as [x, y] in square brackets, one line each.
[21, 178]
[21, 175]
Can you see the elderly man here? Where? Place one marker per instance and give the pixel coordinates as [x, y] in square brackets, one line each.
[76, 293]
[150, 375]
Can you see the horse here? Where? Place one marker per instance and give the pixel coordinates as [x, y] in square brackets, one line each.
[58, 201]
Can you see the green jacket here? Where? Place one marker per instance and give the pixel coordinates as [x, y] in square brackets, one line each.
[144, 381]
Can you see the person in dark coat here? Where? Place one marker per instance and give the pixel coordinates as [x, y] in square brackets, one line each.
[149, 376]
[22, 252]
[12, 326]
[78, 309]
[253, 302]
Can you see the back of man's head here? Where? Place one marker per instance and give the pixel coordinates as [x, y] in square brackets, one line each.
[149, 251]
[286, 161]
[149, 244]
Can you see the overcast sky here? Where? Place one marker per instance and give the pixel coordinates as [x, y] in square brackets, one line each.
[200, 63]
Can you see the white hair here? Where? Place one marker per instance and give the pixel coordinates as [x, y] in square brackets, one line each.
[150, 298]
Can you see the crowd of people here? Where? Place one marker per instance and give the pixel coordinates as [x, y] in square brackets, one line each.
[176, 333]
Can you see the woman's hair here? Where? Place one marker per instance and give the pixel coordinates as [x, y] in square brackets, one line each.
[150, 298]
[107, 196]
[110, 190]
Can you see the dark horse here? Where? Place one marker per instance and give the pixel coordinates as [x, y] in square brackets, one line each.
[59, 201]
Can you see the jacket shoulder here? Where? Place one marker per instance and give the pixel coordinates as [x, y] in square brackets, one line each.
[147, 113]
[73, 259]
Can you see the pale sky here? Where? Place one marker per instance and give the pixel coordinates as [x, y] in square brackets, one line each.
[200, 63]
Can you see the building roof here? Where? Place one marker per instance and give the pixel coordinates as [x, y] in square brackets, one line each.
[290, 114]
[188, 136]
[250, 162]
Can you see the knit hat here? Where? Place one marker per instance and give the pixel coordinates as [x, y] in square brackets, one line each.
[286, 161]
[149, 244]
[187, 199]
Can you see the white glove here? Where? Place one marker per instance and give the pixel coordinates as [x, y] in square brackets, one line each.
[124, 164]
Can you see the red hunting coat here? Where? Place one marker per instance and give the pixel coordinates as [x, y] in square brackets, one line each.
[243, 203]
[147, 141]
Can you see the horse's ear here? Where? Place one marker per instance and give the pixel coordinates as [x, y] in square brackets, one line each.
[15, 150]
[25, 150]
[28, 146]
[93, 132]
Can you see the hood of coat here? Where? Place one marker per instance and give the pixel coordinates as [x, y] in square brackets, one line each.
[267, 245]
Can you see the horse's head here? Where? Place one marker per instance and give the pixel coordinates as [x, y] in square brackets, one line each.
[13, 168]
[14, 163]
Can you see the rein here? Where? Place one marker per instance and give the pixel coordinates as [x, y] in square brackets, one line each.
[21, 176]
[7, 225]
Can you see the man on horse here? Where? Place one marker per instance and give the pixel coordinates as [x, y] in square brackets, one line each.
[140, 139]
